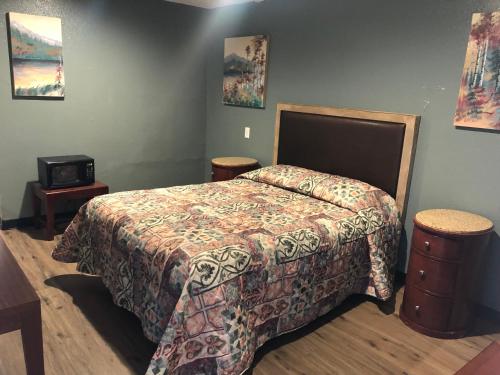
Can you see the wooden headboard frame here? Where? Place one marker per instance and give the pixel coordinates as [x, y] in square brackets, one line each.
[411, 123]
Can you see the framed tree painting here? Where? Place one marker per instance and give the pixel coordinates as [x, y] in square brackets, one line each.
[479, 96]
[36, 56]
[245, 71]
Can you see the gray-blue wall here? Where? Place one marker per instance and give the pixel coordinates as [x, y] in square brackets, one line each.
[392, 55]
[135, 97]
[143, 96]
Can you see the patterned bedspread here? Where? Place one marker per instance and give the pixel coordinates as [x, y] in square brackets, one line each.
[215, 270]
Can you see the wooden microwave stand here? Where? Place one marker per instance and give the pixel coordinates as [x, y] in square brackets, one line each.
[446, 255]
[49, 197]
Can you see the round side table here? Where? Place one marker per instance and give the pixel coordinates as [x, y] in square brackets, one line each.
[227, 168]
[446, 255]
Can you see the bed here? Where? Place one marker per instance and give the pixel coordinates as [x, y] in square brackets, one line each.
[215, 270]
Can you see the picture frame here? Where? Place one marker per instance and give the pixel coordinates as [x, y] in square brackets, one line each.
[35, 51]
[245, 71]
[478, 105]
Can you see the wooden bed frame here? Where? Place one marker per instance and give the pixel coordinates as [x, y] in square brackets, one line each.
[375, 147]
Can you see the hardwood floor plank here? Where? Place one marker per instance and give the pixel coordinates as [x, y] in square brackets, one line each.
[85, 333]
[11, 359]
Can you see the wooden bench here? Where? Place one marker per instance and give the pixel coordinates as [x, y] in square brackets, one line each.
[20, 309]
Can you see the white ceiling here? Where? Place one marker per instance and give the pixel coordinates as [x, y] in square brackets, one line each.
[213, 3]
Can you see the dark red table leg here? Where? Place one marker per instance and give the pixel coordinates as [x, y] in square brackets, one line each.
[50, 222]
[31, 332]
[36, 210]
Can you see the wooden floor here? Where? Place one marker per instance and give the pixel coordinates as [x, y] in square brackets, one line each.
[85, 333]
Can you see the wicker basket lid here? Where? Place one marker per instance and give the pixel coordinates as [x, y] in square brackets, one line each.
[453, 221]
[233, 161]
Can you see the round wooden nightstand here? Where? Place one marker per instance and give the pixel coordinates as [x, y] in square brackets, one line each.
[229, 167]
[446, 252]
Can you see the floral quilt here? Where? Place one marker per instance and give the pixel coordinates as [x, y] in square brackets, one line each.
[215, 270]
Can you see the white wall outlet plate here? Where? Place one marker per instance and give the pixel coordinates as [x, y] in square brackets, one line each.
[247, 132]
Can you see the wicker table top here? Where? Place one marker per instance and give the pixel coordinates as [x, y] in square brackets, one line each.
[234, 162]
[453, 221]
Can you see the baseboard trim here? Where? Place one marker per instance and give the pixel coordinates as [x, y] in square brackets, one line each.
[488, 312]
[24, 222]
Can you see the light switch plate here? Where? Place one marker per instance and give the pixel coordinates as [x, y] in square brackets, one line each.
[247, 132]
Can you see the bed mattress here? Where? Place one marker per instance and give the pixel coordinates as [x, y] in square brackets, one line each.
[215, 270]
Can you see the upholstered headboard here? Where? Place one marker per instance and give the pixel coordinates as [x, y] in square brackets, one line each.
[374, 147]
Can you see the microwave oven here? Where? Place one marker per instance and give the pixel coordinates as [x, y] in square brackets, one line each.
[65, 171]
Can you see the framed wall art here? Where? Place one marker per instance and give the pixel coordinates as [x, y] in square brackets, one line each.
[35, 44]
[479, 96]
[245, 71]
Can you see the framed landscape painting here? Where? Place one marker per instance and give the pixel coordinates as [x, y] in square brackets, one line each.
[479, 96]
[245, 71]
[36, 56]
